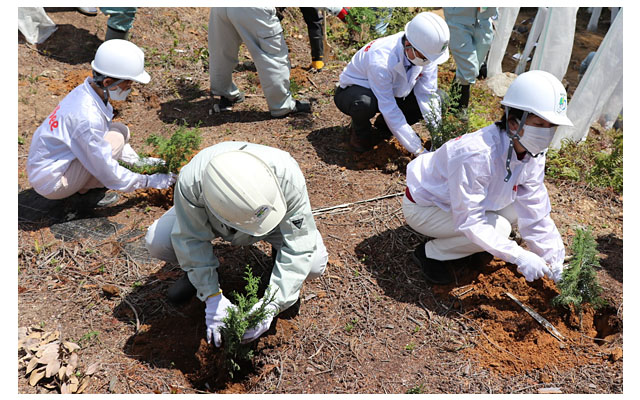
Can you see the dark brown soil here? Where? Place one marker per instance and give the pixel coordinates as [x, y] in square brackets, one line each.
[371, 324]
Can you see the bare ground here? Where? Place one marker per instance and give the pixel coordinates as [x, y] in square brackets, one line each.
[371, 324]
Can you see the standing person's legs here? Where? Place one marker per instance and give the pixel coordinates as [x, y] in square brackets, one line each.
[262, 33]
[223, 43]
[313, 19]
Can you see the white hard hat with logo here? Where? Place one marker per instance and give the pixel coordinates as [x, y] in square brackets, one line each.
[242, 191]
[540, 93]
[117, 58]
[429, 34]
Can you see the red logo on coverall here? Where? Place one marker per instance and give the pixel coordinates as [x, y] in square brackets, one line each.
[53, 122]
[368, 46]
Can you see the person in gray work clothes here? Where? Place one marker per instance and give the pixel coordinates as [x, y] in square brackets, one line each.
[260, 30]
[242, 193]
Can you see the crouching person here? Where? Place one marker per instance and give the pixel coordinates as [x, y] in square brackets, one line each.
[242, 193]
[77, 146]
[468, 193]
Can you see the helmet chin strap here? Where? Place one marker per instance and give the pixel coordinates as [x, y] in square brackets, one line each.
[99, 79]
[512, 136]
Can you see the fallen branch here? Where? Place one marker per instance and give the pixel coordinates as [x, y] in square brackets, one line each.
[322, 210]
[546, 324]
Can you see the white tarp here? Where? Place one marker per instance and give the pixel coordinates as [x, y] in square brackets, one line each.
[598, 90]
[555, 44]
[35, 24]
[532, 39]
[506, 20]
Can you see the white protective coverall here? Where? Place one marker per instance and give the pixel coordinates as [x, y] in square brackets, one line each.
[461, 186]
[184, 233]
[380, 66]
[261, 32]
[471, 35]
[76, 129]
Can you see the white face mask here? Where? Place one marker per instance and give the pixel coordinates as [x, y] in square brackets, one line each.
[536, 140]
[119, 94]
[417, 61]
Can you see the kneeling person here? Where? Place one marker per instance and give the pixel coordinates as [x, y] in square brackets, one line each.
[242, 193]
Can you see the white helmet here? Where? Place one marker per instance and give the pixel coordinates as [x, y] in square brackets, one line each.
[117, 58]
[540, 93]
[429, 34]
[243, 192]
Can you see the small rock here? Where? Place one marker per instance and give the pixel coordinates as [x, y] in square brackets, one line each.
[616, 354]
[111, 290]
[389, 326]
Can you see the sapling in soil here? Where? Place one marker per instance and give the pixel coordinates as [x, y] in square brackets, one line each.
[175, 151]
[242, 318]
[448, 124]
[579, 284]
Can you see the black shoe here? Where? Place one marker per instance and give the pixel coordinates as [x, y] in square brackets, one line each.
[363, 141]
[226, 104]
[181, 290]
[482, 74]
[381, 128]
[479, 260]
[434, 271]
[301, 107]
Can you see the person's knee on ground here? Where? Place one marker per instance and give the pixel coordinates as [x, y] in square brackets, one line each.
[158, 238]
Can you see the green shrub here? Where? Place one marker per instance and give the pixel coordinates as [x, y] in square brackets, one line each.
[450, 125]
[240, 319]
[175, 151]
[579, 284]
[596, 162]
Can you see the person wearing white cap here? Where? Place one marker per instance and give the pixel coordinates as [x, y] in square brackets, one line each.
[243, 193]
[396, 76]
[77, 146]
[470, 192]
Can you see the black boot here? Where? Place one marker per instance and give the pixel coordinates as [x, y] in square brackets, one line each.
[436, 272]
[181, 290]
[464, 96]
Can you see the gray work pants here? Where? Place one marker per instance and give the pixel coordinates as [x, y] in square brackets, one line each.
[260, 30]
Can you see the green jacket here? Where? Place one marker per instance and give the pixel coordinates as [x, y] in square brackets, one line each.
[196, 226]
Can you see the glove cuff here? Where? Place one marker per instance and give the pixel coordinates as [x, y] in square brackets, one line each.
[343, 13]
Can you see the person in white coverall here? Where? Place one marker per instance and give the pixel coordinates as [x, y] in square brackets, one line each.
[260, 30]
[471, 36]
[242, 193]
[469, 192]
[77, 146]
[397, 76]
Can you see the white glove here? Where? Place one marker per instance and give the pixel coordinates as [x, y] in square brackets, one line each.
[161, 181]
[262, 326]
[216, 309]
[532, 266]
[555, 272]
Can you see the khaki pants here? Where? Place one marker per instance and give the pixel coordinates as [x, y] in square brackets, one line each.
[77, 179]
[448, 243]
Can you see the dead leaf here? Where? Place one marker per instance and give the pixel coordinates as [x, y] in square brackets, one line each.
[64, 389]
[61, 372]
[69, 371]
[36, 375]
[35, 335]
[50, 336]
[111, 290]
[73, 384]
[91, 369]
[33, 363]
[52, 368]
[83, 385]
[73, 360]
[71, 346]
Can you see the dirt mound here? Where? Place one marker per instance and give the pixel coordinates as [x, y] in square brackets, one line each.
[510, 341]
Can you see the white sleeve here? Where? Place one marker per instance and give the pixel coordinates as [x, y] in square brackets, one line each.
[94, 152]
[534, 220]
[425, 92]
[468, 182]
[381, 84]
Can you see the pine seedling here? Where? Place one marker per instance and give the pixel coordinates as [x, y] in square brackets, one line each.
[448, 125]
[579, 284]
[174, 151]
[242, 318]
